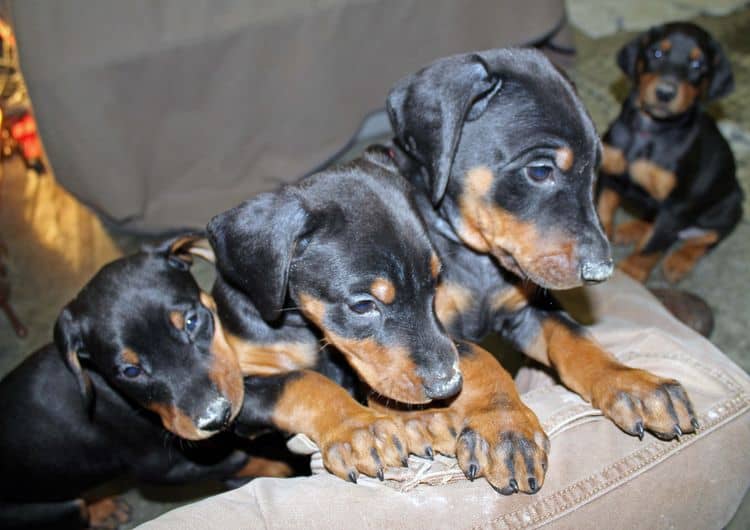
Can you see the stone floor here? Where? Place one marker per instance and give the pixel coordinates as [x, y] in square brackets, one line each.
[55, 244]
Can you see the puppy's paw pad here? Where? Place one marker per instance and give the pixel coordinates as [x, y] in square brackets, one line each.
[108, 513]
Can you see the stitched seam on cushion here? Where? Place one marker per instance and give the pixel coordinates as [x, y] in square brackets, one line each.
[559, 418]
[721, 376]
[644, 458]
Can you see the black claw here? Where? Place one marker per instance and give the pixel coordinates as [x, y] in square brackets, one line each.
[398, 444]
[353, 476]
[430, 454]
[404, 461]
[695, 424]
[677, 431]
[639, 430]
[513, 484]
[472, 472]
[381, 474]
[532, 484]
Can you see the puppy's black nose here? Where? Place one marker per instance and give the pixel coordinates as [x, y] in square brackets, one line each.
[444, 387]
[217, 416]
[666, 92]
[596, 271]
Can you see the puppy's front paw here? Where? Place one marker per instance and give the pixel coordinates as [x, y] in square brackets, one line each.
[507, 446]
[366, 443]
[630, 232]
[432, 430]
[636, 400]
[108, 513]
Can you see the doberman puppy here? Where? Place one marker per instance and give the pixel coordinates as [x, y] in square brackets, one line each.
[344, 253]
[664, 156]
[135, 353]
[504, 157]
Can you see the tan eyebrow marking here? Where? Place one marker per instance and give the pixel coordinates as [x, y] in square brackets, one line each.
[130, 357]
[383, 290]
[564, 158]
[177, 319]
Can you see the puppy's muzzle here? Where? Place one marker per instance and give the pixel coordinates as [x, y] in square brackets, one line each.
[666, 91]
[596, 271]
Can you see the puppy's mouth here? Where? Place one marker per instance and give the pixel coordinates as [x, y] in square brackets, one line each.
[550, 271]
[179, 423]
[658, 110]
[388, 370]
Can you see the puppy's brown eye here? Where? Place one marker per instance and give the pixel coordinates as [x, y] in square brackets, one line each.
[696, 64]
[363, 307]
[657, 53]
[539, 173]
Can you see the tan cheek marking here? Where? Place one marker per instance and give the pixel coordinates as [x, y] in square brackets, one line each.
[487, 228]
[130, 357]
[451, 300]
[383, 290]
[686, 96]
[177, 319]
[435, 266]
[273, 358]
[176, 421]
[225, 369]
[564, 158]
[479, 181]
[646, 87]
[313, 308]
[388, 370]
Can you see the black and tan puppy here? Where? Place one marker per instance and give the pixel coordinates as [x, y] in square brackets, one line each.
[664, 156]
[504, 157]
[139, 337]
[347, 250]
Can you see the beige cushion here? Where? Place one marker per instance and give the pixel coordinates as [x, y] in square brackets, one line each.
[598, 476]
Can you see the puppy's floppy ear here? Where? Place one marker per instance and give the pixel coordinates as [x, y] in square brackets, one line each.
[180, 250]
[67, 337]
[722, 79]
[428, 109]
[627, 57]
[254, 245]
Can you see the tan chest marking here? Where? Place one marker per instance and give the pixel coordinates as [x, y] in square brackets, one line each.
[613, 160]
[656, 180]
